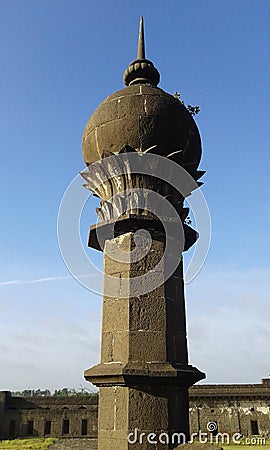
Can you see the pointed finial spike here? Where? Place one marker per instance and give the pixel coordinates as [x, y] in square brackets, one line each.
[141, 71]
[141, 47]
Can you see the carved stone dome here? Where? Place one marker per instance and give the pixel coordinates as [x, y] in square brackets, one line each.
[142, 116]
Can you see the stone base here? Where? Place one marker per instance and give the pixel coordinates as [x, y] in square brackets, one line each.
[133, 418]
[143, 405]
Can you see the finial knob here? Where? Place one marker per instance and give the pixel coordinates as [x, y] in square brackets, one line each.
[141, 71]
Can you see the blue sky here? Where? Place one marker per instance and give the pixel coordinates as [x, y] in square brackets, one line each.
[59, 60]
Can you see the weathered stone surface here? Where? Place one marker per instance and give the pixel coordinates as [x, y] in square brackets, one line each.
[147, 312]
[121, 348]
[125, 410]
[53, 409]
[144, 373]
[141, 116]
[112, 439]
[141, 335]
[113, 322]
[106, 347]
[147, 346]
[122, 256]
[150, 327]
[147, 411]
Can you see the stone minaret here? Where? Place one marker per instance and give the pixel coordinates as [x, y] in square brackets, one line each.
[134, 139]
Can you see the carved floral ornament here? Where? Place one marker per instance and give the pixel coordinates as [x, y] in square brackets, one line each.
[123, 187]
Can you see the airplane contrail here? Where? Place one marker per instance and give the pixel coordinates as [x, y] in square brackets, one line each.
[38, 280]
[42, 280]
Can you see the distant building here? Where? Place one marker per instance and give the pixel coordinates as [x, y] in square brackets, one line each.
[70, 416]
[234, 408]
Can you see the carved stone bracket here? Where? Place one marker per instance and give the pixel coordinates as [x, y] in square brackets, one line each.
[124, 192]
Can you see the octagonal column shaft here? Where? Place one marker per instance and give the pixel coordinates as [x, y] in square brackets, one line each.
[149, 327]
[144, 373]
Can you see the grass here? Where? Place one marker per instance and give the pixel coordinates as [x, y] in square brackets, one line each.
[45, 443]
[251, 443]
[243, 445]
[27, 444]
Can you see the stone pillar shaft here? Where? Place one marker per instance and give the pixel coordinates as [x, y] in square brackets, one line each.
[150, 327]
[144, 373]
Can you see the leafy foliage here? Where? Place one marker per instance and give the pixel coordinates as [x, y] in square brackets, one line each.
[65, 392]
[193, 110]
[188, 221]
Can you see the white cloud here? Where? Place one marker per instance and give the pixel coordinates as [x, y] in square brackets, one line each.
[50, 352]
[228, 324]
[51, 332]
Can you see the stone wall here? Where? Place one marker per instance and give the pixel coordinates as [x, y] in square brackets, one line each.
[74, 416]
[243, 409]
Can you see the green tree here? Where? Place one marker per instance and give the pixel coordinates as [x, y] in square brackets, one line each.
[193, 110]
